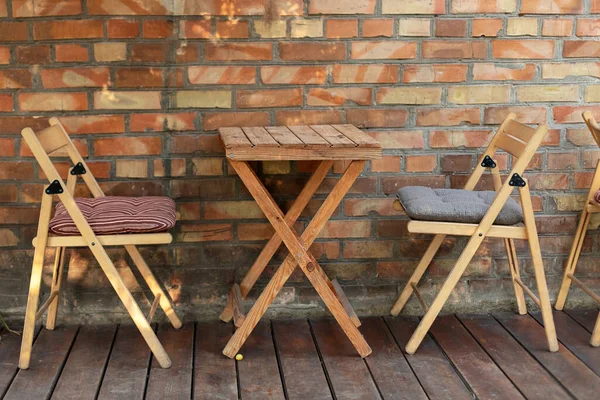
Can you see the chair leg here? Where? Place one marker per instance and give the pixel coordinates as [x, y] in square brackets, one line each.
[418, 274]
[596, 333]
[154, 286]
[584, 221]
[57, 274]
[513, 264]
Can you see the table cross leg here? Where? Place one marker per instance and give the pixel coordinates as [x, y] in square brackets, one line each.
[298, 255]
[273, 244]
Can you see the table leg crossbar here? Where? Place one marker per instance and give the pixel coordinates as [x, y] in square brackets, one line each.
[331, 295]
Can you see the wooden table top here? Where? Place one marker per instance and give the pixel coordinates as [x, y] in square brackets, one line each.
[301, 142]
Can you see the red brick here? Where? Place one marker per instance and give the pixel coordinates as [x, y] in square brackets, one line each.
[425, 163]
[13, 31]
[221, 75]
[118, 28]
[128, 146]
[378, 27]
[383, 50]
[513, 72]
[27, 8]
[341, 28]
[127, 100]
[13, 125]
[581, 48]
[150, 52]
[365, 73]
[489, 27]
[238, 51]
[557, 27]
[447, 116]
[457, 163]
[377, 118]
[195, 29]
[162, 122]
[16, 170]
[562, 161]
[525, 115]
[67, 29]
[453, 50]
[552, 7]
[7, 147]
[571, 114]
[337, 7]
[268, 98]
[413, 7]
[6, 102]
[71, 53]
[458, 139]
[523, 49]
[595, 7]
[15, 78]
[308, 117]
[369, 249]
[317, 51]
[435, 73]
[3, 9]
[75, 77]
[157, 28]
[450, 27]
[340, 229]
[364, 207]
[91, 124]
[126, 7]
[386, 164]
[139, 77]
[4, 55]
[339, 96]
[483, 6]
[186, 52]
[53, 101]
[212, 121]
[233, 29]
[36, 54]
[399, 139]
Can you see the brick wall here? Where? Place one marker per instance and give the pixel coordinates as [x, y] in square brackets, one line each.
[143, 86]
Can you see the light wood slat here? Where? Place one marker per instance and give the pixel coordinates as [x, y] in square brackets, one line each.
[310, 138]
[511, 145]
[452, 228]
[234, 137]
[110, 240]
[333, 136]
[52, 138]
[285, 137]
[286, 153]
[518, 130]
[260, 137]
[357, 136]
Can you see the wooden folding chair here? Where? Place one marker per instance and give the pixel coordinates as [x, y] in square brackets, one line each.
[43, 144]
[479, 215]
[591, 206]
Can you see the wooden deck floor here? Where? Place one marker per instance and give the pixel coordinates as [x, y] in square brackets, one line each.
[501, 356]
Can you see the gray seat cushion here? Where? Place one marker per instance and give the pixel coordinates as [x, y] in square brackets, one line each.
[455, 205]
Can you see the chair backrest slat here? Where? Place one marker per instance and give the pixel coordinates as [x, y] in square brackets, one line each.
[511, 144]
[518, 130]
[52, 138]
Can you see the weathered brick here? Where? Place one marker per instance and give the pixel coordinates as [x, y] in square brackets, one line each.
[128, 146]
[139, 77]
[557, 27]
[386, 164]
[75, 77]
[399, 139]
[157, 28]
[581, 48]
[6, 102]
[132, 168]
[486, 27]
[232, 29]
[13, 31]
[212, 121]
[572, 114]
[523, 48]
[335, 229]
[434, 73]
[390, 185]
[203, 99]
[232, 210]
[316, 51]
[588, 27]
[562, 161]
[453, 50]
[447, 116]
[383, 50]
[36, 54]
[238, 51]
[526, 115]
[292, 75]
[478, 94]
[7, 147]
[562, 70]
[425, 163]
[378, 27]
[409, 95]
[221, 75]
[308, 117]
[365, 73]
[268, 98]
[195, 29]
[71, 53]
[275, 29]
[522, 26]
[483, 6]
[207, 166]
[457, 163]
[4, 55]
[535, 93]
[414, 27]
[552, 7]
[341, 28]
[363, 207]
[150, 52]
[109, 52]
[592, 94]
[111, 100]
[53, 101]
[346, 7]
[507, 72]
[413, 7]
[162, 122]
[377, 118]
[458, 139]
[67, 29]
[90, 124]
[3, 9]
[595, 6]
[368, 249]
[450, 27]
[339, 96]
[306, 28]
[118, 28]
[15, 78]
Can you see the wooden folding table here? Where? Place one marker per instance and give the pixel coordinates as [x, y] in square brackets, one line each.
[325, 143]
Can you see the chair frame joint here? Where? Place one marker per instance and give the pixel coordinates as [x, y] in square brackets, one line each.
[487, 162]
[78, 169]
[54, 188]
[517, 181]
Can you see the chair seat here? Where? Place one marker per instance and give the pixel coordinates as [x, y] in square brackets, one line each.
[455, 205]
[112, 215]
[597, 197]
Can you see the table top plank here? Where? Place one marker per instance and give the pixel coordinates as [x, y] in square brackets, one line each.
[357, 136]
[260, 137]
[333, 136]
[285, 137]
[310, 138]
[234, 137]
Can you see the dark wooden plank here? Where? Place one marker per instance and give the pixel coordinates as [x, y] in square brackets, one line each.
[260, 137]
[309, 137]
[484, 377]
[10, 346]
[357, 136]
[284, 136]
[84, 368]
[333, 136]
[174, 382]
[302, 370]
[214, 374]
[575, 338]
[127, 366]
[522, 369]
[259, 371]
[437, 376]
[387, 364]
[348, 373]
[587, 318]
[234, 137]
[572, 373]
[48, 355]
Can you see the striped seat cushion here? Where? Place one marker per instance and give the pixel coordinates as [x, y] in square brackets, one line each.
[597, 196]
[115, 215]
